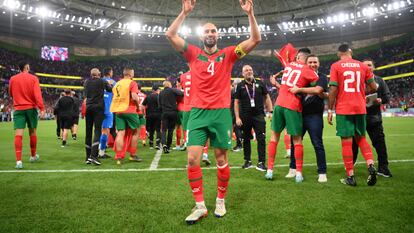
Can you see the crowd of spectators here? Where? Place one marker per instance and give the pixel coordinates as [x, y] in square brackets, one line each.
[168, 66]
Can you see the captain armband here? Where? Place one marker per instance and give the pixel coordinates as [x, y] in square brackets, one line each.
[239, 52]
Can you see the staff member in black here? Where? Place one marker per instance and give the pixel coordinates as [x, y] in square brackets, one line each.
[76, 112]
[237, 130]
[64, 108]
[374, 124]
[151, 102]
[313, 106]
[250, 97]
[94, 94]
[169, 113]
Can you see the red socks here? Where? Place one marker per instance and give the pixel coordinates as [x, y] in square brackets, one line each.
[143, 133]
[299, 157]
[33, 143]
[271, 149]
[347, 157]
[195, 177]
[223, 176]
[178, 136]
[365, 150]
[286, 139]
[18, 144]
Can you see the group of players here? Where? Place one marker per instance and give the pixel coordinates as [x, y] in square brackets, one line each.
[209, 117]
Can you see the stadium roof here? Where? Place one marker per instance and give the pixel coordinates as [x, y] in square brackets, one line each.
[129, 24]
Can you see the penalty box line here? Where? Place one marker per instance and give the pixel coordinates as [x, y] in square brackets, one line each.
[168, 169]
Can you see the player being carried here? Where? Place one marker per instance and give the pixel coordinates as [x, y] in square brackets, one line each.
[210, 116]
[347, 93]
[288, 110]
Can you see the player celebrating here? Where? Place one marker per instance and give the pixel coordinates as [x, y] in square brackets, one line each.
[288, 110]
[347, 93]
[25, 90]
[210, 101]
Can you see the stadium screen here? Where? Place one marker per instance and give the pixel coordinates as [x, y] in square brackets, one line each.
[55, 53]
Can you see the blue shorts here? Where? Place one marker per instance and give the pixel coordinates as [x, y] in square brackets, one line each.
[108, 121]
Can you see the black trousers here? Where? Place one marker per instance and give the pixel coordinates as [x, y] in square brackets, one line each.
[154, 125]
[376, 134]
[112, 130]
[168, 122]
[57, 125]
[237, 132]
[94, 118]
[257, 123]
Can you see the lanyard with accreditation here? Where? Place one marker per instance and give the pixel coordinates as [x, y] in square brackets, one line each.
[251, 97]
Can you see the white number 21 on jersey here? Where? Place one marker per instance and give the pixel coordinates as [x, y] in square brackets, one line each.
[210, 68]
[350, 78]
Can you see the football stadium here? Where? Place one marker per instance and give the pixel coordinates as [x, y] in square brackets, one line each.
[206, 116]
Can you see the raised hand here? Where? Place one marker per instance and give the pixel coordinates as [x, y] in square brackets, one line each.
[188, 6]
[247, 5]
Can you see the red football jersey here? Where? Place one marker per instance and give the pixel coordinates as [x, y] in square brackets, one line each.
[210, 76]
[142, 97]
[350, 76]
[26, 93]
[185, 81]
[295, 74]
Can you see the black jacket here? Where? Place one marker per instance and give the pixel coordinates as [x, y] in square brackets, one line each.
[94, 92]
[374, 112]
[152, 104]
[64, 106]
[168, 99]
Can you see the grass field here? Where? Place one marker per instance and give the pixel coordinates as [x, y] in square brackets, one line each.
[139, 200]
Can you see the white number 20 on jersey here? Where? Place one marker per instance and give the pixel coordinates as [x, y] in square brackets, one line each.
[210, 68]
[289, 75]
[350, 78]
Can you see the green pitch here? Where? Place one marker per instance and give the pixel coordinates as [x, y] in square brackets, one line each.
[159, 201]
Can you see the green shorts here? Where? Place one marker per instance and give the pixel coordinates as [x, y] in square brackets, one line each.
[213, 124]
[349, 125]
[23, 117]
[124, 120]
[286, 118]
[142, 120]
[180, 118]
[184, 122]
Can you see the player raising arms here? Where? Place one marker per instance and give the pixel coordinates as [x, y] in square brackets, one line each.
[210, 101]
[347, 93]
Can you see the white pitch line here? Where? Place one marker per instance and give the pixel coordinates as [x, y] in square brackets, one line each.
[156, 160]
[169, 169]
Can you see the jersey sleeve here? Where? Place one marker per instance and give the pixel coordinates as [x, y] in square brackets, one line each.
[237, 94]
[190, 52]
[38, 95]
[264, 89]
[133, 87]
[232, 53]
[333, 81]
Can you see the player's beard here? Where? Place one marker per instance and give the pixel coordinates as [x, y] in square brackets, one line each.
[249, 79]
[210, 42]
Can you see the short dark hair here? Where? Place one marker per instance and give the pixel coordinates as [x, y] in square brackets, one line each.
[311, 55]
[304, 50]
[68, 91]
[343, 48]
[155, 87]
[22, 64]
[107, 70]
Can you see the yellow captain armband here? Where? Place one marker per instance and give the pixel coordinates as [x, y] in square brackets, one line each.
[239, 52]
